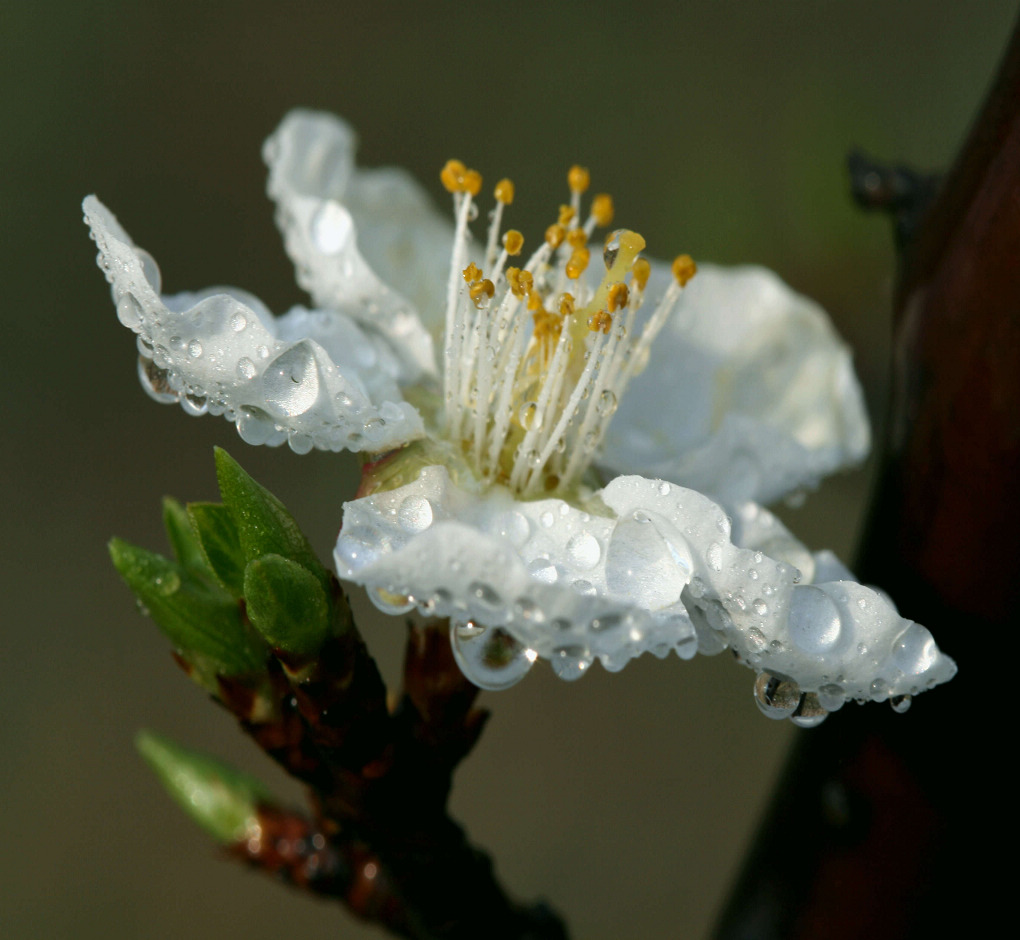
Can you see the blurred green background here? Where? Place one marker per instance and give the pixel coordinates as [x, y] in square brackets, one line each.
[721, 128]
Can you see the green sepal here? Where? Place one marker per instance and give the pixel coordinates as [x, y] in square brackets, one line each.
[264, 526]
[287, 605]
[201, 620]
[221, 799]
[183, 538]
[220, 544]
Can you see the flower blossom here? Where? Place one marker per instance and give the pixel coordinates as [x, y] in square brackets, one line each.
[479, 500]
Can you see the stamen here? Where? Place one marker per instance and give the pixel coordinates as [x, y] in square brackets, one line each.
[684, 269]
[505, 191]
[600, 322]
[578, 179]
[618, 296]
[640, 272]
[602, 213]
[481, 292]
[472, 273]
[577, 263]
[554, 235]
[513, 242]
[567, 215]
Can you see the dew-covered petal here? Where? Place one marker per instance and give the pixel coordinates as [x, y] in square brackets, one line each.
[366, 243]
[647, 567]
[312, 378]
[748, 394]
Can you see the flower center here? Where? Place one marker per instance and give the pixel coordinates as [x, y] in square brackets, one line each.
[536, 359]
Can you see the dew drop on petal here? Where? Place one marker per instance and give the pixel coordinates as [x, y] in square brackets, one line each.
[584, 550]
[814, 620]
[485, 594]
[514, 527]
[914, 650]
[571, 662]
[546, 519]
[246, 368]
[238, 322]
[129, 311]
[529, 416]
[390, 602]
[584, 587]
[714, 556]
[607, 403]
[291, 381]
[775, 697]
[831, 697]
[195, 349]
[489, 657]
[809, 713]
[254, 425]
[415, 514]
[900, 703]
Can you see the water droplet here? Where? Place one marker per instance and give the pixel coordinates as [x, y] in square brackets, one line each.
[194, 349]
[607, 403]
[644, 567]
[756, 640]
[262, 352]
[246, 368]
[542, 569]
[529, 416]
[291, 382]
[546, 519]
[809, 713]
[584, 550]
[254, 425]
[129, 311]
[168, 583]
[814, 621]
[914, 650]
[389, 602]
[331, 227]
[149, 269]
[415, 514]
[714, 556]
[238, 322]
[900, 703]
[489, 657]
[879, 690]
[193, 404]
[156, 382]
[584, 587]
[514, 527]
[571, 662]
[664, 488]
[760, 607]
[831, 697]
[775, 697]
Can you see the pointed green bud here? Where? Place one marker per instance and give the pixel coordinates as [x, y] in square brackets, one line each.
[222, 800]
[287, 605]
[217, 535]
[183, 538]
[264, 526]
[202, 621]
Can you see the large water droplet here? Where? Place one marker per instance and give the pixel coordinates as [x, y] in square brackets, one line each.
[155, 381]
[607, 403]
[900, 703]
[571, 662]
[150, 269]
[254, 425]
[415, 514]
[246, 368]
[641, 567]
[542, 569]
[389, 602]
[129, 311]
[584, 550]
[831, 697]
[168, 583]
[809, 713]
[489, 657]
[775, 697]
[291, 382]
[814, 620]
[514, 527]
[529, 416]
[331, 228]
[238, 321]
[195, 349]
[914, 650]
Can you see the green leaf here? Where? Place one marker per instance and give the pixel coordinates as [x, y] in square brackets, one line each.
[264, 526]
[183, 538]
[219, 543]
[287, 605]
[201, 620]
[221, 799]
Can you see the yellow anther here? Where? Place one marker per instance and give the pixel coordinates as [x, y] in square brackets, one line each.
[452, 175]
[578, 262]
[548, 326]
[554, 235]
[600, 322]
[619, 295]
[472, 182]
[602, 209]
[513, 242]
[505, 191]
[472, 273]
[640, 271]
[579, 179]
[576, 238]
[566, 215]
[534, 300]
[684, 269]
[520, 281]
[481, 291]
[567, 305]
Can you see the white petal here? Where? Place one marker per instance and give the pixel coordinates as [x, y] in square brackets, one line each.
[655, 568]
[313, 378]
[333, 216]
[748, 394]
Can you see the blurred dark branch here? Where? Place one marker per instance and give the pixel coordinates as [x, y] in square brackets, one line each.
[381, 840]
[878, 825]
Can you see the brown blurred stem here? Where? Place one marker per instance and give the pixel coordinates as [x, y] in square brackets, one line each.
[881, 822]
[379, 839]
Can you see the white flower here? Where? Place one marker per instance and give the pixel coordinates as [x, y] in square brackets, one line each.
[491, 515]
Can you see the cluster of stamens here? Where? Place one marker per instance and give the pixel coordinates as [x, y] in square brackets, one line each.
[535, 359]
